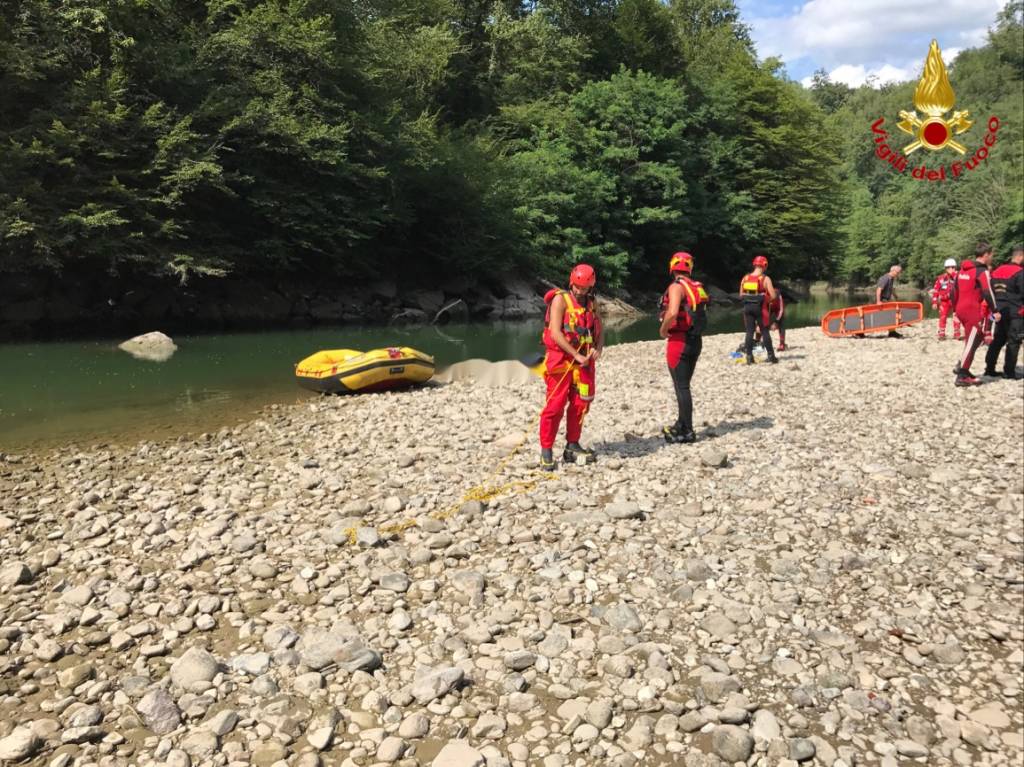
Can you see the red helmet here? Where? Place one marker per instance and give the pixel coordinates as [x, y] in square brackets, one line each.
[761, 261]
[583, 276]
[680, 262]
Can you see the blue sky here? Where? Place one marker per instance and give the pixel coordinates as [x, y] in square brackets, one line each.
[857, 39]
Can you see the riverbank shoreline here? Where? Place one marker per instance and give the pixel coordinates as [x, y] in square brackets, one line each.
[828, 572]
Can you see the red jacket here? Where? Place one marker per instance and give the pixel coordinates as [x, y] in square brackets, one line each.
[972, 292]
[943, 288]
[777, 307]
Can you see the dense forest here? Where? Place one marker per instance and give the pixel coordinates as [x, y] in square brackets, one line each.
[427, 138]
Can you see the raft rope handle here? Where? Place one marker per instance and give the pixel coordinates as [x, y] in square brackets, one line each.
[482, 492]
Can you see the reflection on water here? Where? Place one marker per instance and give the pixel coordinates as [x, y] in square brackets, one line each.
[91, 391]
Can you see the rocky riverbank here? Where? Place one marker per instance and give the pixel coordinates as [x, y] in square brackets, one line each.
[832, 575]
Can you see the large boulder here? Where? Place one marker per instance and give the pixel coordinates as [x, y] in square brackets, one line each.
[155, 347]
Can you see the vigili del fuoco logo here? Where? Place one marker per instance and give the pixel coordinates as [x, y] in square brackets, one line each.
[932, 130]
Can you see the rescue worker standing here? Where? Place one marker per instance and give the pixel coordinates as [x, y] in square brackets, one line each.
[1008, 288]
[683, 318]
[885, 290]
[756, 292]
[776, 309]
[972, 297]
[942, 299]
[574, 342]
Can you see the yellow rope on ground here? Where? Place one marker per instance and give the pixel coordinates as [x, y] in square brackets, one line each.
[483, 492]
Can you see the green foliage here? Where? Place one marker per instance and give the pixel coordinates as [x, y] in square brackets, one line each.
[429, 138]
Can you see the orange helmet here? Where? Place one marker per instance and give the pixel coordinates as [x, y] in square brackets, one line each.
[680, 262]
[761, 261]
[583, 276]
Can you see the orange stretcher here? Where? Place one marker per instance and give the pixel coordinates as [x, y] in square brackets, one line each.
[871, 318]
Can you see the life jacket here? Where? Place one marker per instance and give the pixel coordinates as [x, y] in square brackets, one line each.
[752, 289]
[579, 323]
[1001, 277]
[692, 318]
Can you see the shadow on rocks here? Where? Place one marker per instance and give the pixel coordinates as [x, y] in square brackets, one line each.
[631, 447]
[727, 427]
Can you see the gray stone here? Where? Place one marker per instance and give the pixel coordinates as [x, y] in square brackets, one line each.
[252, 664]
[714, 458]
[78, 735]
[414, 726]
[153, 347]
[732, 743]
[391, 749]
[622, 510]
[801, 749]
[201, 744]
[458, 753]
[79, 596]
[599, 713]
[910, 748]
[623, 617]
[436, 684]
[692, 721]
[718, 626]
[948, 654]
[520, 660]
[14, 574]
[766, 726]
[20, 744]
[717, 687]
[159, 711]
[194, 665]
[397, 582]
[320, 648]
[222, 723]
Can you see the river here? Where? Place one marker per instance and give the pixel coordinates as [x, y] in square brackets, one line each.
[90, 392]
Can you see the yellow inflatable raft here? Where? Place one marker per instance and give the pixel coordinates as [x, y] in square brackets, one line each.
[342, 371]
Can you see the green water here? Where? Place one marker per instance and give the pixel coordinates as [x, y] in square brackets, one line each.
[91, 392]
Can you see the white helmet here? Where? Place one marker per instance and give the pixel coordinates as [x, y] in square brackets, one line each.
[949, 262]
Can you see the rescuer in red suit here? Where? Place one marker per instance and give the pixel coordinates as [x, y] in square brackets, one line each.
[972, 298]
[683, 317]
[574, 341]
[942, 300]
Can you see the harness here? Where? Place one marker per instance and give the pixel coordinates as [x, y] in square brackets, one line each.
[577, 321]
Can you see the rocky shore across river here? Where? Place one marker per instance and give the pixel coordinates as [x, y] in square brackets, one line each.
[833, 575]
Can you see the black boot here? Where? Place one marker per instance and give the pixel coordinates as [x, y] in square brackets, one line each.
[672, 434]
[573, 450]
[773, 360]
[547, 459]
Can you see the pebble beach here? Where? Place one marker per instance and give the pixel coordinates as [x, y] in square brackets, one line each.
[832, 575]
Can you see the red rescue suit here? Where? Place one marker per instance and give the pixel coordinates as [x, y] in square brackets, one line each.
[942, 299]
[690, 320]
[568, 383]
[972, 297]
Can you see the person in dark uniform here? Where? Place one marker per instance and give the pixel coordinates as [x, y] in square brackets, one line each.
[1008, 288]
[756, 293]
[683, 317]
[885, 290]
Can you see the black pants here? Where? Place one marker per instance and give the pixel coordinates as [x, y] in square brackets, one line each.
[681, 375]
[1007, 332]
[752, 319]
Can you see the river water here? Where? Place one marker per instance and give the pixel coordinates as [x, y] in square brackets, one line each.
[84, 393]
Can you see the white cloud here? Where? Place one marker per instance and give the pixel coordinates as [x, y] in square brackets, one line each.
[856, 75]
[872, 32]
